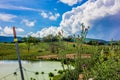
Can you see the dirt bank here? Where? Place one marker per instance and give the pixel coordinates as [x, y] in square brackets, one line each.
[68, 56]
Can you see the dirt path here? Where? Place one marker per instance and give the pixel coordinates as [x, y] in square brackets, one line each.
[68, 56]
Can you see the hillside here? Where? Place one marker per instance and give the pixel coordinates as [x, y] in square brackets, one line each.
[98, 40]
[8, 39]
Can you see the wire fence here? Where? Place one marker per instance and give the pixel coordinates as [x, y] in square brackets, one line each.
[29, 75]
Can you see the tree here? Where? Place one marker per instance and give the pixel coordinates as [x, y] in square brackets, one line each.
[50, 38]
[92, 42]
[24, 39]
[30, 40]
[118, 42]
[69, 39]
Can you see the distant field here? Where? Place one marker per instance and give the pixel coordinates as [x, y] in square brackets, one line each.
[8, 50]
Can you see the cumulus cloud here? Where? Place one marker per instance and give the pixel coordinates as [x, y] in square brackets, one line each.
[54, 17]
[7, 17]
[0, 28]
[70, 2]
[8, 30]
[29, 23]
[1, 33]
[50, 30]
[87, 13]
[50, 15]
[45, 32]
[19, 30]
[44, 15]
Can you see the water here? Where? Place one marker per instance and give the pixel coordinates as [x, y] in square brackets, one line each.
[9, 70]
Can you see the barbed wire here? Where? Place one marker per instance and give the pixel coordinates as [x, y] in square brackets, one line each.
[9, 74]
[25, 73]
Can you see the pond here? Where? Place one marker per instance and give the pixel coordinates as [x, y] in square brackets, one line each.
[38, 70]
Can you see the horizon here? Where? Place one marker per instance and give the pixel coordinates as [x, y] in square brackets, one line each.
[76, 37]
[41, 18]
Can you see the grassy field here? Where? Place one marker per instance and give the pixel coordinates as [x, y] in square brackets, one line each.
[103, 64]
[8, 50]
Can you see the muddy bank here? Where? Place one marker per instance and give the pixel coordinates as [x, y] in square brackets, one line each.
[68, 56]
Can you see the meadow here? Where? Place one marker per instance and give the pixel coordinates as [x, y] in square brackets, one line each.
[103, 64]
[8, 50]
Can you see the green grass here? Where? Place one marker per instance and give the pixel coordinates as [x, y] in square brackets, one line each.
[57, 77]
[105, 59]
[8, 50]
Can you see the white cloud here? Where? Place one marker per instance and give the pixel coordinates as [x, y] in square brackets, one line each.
[12, 7]
[45, 31]
[29, 23]
[70, 2]
[44, 15]
[87, 13]
[54, 17]
[2, 34]
[19, 30]
[0, 28]
[7, 17]
[50, 15]
[1, 31]
[9, 31]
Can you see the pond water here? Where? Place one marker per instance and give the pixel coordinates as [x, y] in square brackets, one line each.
[9, 70]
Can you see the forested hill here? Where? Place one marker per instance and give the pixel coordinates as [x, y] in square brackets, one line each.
[8, 39]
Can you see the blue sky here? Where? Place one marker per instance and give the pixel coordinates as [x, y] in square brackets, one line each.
[44, 17]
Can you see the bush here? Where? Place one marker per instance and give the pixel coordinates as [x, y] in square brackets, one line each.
[100, 66]
[51, 74]
[41, 50]
[60, 71]
[103, 67]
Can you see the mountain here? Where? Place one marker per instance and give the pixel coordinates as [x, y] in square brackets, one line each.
[98, 40]
[11, 39]
[8, 39]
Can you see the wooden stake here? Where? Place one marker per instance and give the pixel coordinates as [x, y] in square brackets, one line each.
[18, 53]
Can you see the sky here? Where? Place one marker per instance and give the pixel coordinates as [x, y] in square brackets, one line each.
[39, 18]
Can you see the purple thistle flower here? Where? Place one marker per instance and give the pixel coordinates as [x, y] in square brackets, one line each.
[86, 29]
[59, 33]
[84, 65]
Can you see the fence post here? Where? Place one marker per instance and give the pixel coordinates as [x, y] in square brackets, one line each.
[18, 53]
